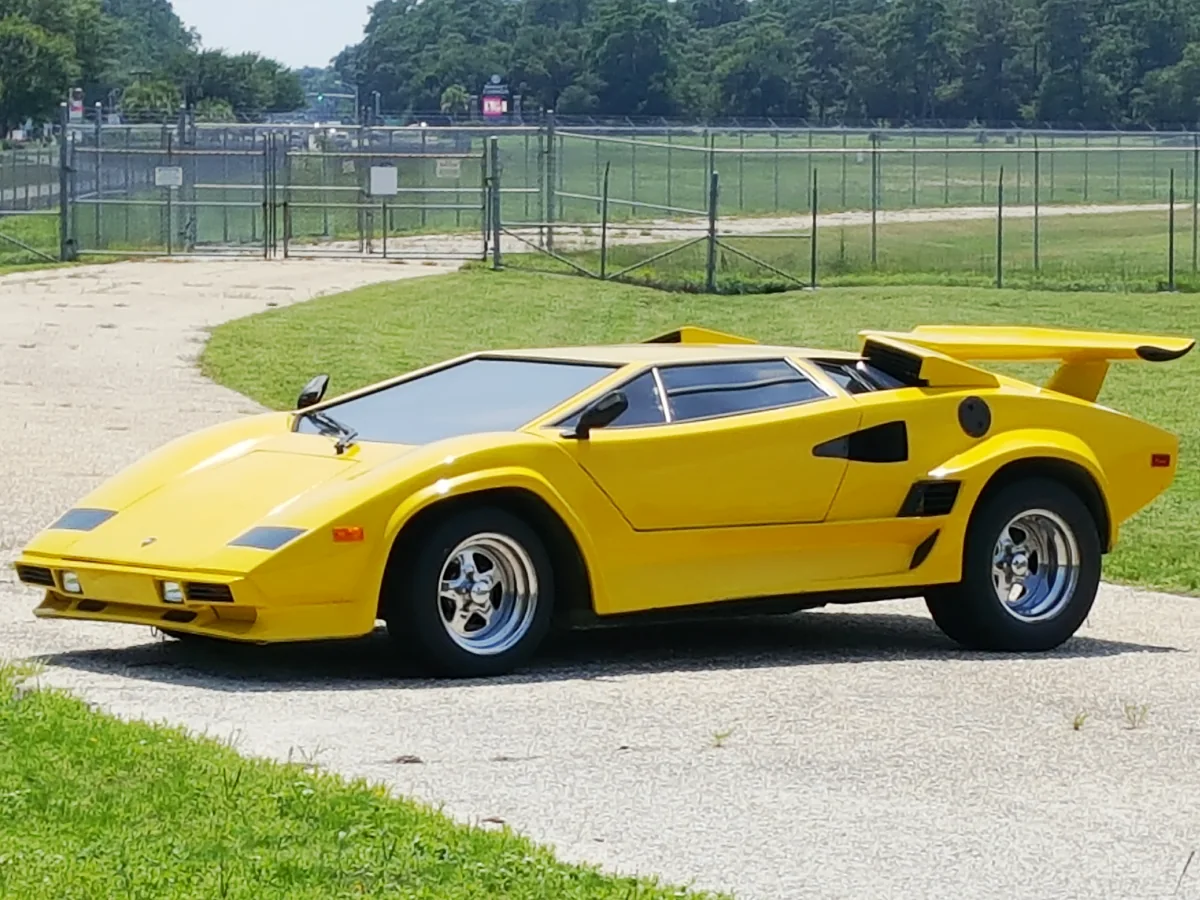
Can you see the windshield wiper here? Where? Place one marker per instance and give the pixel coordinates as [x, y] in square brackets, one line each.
[331, 427]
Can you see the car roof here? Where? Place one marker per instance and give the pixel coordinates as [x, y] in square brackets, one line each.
[664, 354]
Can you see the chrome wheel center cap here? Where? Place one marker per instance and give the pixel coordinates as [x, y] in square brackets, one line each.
[480, 591]
[1019, 564]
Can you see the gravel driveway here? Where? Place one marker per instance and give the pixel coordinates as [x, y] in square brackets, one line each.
[832, 754]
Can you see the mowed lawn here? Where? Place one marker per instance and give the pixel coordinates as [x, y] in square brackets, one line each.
[373, 333]
[92, 808]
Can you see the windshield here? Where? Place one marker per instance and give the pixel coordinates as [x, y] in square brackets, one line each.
[467, 398]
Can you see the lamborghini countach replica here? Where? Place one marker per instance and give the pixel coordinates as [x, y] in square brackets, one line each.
[477, 504]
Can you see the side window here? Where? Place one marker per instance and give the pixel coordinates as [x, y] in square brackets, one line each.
[860, 377]
[721, 389]
[645, 405]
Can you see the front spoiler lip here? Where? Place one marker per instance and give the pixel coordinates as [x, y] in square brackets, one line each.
[57, 561]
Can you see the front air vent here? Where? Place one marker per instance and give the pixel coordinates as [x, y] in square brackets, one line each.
[930, 498]
[201, 592]
[36, 575]
[178, 615]
[905, 367]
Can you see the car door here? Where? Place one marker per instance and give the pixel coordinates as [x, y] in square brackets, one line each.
[720, 444]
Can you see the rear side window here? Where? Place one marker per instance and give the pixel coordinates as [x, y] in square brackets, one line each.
[722, 389]
[860, 377]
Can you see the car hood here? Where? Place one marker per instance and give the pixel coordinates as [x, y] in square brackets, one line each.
[189, 518]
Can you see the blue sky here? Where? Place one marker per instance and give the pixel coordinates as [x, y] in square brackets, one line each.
[312, 32]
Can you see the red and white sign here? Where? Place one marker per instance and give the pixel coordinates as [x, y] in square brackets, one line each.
[494, 106]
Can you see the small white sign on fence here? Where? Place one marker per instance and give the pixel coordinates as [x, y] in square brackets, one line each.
[449, 168]
[168, 176]
[384, 181]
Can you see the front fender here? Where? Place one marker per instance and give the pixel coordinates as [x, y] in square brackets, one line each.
[504, 477]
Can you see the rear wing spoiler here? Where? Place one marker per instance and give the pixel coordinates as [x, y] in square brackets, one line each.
[1083, 356]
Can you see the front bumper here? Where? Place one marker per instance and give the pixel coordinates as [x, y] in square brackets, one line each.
[229, 607]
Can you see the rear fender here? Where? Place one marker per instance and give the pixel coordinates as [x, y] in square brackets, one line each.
[977, 467]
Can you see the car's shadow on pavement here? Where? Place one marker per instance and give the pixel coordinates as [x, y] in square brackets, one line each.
[742, 643]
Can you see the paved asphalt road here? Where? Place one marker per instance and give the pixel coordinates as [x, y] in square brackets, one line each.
[838, 753]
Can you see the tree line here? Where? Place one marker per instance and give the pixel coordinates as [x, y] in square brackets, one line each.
[1085, 62]
[134, 56]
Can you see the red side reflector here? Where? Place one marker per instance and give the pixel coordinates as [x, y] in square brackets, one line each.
[1160, 461]
[347, 533]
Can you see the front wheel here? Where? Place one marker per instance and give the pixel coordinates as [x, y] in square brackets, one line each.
[1031, 569]
[473, 598]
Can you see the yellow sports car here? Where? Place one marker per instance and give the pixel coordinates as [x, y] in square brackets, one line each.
[475, 504]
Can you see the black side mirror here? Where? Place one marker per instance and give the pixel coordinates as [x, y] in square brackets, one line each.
[603, 412]
[313, 392]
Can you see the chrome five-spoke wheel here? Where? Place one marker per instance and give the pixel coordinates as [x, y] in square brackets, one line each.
[488, 594]
[472, 594]
[1035, 565]
[1030, 568]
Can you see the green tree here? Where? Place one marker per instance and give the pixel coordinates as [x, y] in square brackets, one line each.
[917, 40]
[36, 70]
[215, 109]
[632, 57]
[150, 101]
[455, 100]
[761, 74]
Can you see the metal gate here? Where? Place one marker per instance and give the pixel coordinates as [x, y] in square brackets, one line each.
[275, 193]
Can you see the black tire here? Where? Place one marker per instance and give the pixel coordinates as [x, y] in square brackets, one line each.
[416, 613]
[972, 612]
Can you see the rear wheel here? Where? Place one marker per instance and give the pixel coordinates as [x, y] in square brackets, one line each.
[1031, 569]
[474, 597]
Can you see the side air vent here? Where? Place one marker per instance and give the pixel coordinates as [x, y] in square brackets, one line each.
[36, 575]
[200, 592]
[930, 498]
[884, 443]
[900, 365]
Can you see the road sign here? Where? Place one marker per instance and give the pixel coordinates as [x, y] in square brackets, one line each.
[449, 168]
[168, 176]
[384, 181]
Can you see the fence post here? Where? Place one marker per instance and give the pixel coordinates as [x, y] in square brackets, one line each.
[874, 199]
[710, 269]
[551, 143]
[604, 223]
[1037, 202]
[1000, 230]
[64, 198]
[494, 167]
[1195, 196]
[99, 171]
[1171, 231]
[812, 238]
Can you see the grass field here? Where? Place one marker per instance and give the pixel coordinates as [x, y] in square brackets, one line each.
[1122, 252]
[37, 231]
[384, 330]
[91, 807]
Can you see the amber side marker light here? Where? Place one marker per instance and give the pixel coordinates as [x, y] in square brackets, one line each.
[347, 534]
[1160, 460]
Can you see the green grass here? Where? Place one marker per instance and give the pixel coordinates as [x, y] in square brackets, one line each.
[949, 170]
[1124, 251]
[379, 331]
[93, 807]
[37, 231]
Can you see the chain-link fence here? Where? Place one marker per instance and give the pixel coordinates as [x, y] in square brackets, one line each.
[792, 205]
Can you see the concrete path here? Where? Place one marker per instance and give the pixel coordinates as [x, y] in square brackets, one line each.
[850, 754]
